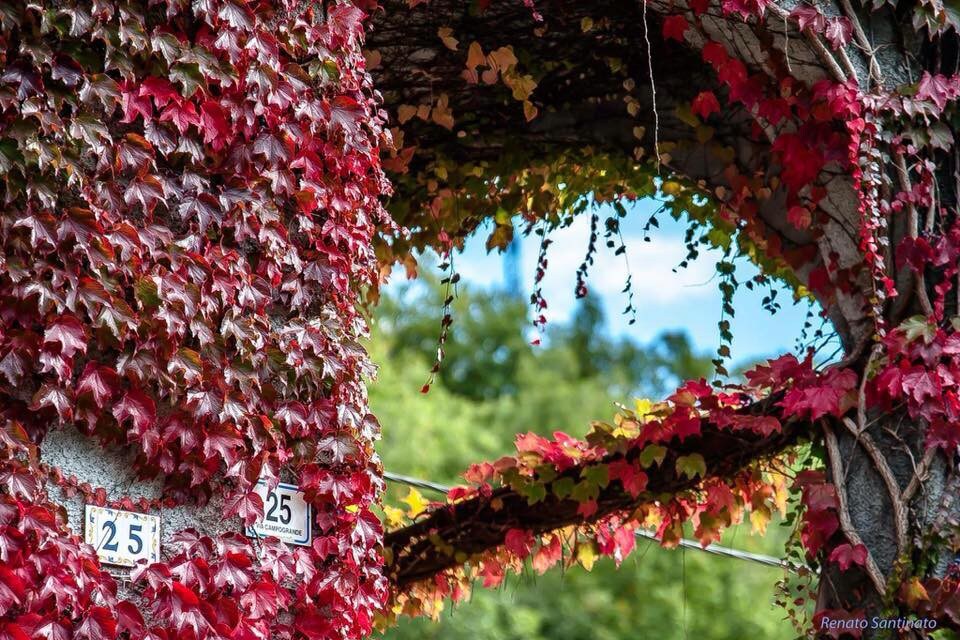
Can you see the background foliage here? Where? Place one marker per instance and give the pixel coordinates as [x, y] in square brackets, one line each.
[494, 385]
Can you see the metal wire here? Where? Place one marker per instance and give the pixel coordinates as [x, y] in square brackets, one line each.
[714, 549]
[417, 482]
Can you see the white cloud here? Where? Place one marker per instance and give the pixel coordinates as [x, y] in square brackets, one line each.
[651, 264]
[687, 300]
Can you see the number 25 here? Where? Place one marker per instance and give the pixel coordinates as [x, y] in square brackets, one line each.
[113, 545]
[285, 515]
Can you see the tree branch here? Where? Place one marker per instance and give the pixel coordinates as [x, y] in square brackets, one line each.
[846, 524]
[481, 523]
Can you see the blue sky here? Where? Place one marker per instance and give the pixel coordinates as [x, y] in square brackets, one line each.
[666, 300]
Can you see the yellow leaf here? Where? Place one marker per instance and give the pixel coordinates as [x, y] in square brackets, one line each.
[502, 58]
[373, 58]
[395, 517]
[780, 497]
[522, 86]
[529, 110]
[586, 24]
[405, 112]
[759, 518]
[643, 407]
[586, 555]
[913, 592]
[672, 188]
[442, 114]
[416, 502]
[475, 57]
[685, 114]
[446, 36]
[626, 429]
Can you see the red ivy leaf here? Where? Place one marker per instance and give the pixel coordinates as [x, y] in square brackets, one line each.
[633, 479]
[838, 32]
[818, 526]
[745, 8]
[52, 630]
[763, 425]
[233, 571]
[101, 382]
[98, 624]
[846, 555]
[936, 88]
[12, 631]
[799, 217]
[492, 573]
[587, 508]
[181, 115]
[346, 113]
[314, 625]
[547, 555]
[139, 407]
[715, 54]
[20, 482]
[674, 27]
[12, 590]
[213, 122]
[800, 162]
[249, 506]
[264, 598]
[160, 89]
[705, 104]
[519, 542]
[920, 383]
[69, 333]
[699, 6]
[808, 16]
[129, 619]
[223, 442]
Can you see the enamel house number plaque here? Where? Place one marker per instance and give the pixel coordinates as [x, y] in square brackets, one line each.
[286, 515]
[122, 538]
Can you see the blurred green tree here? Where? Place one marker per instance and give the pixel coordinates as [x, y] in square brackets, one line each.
[493, 385]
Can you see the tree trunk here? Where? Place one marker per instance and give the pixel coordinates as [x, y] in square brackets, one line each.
[898, 497]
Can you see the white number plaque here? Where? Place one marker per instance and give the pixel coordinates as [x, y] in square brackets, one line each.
[286, 515]
[122, 537]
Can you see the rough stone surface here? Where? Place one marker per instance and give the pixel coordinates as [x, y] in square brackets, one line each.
[81, 456]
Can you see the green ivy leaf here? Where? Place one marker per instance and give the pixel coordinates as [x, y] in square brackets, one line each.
[597, 474]
[652, 453]
[534, 492]
[563, 487]
[692, 466]
[917, 326]
[147, 293]
[585, 491]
